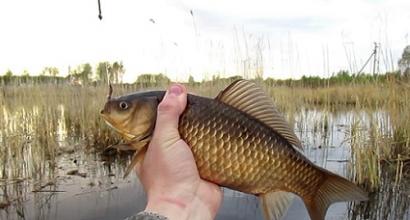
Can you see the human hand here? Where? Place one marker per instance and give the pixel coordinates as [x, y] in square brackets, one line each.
[169, 174]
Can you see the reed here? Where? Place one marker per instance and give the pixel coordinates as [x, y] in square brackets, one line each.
[381, 144]
[40, 122]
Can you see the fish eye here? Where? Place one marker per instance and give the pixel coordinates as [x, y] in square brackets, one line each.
[123, 105]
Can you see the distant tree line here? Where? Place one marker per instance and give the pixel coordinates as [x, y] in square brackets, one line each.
[25, 78]
[341, 78]
[113, 72]
[152, 80]
[105, 71]
[82, 74]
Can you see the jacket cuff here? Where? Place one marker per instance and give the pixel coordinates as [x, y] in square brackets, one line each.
[147, 216]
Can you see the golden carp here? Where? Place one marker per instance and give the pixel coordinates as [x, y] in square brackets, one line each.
[239, 140]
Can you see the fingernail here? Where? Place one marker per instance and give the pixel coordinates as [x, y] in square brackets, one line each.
[175, 89]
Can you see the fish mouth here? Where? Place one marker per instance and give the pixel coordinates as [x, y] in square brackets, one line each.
[128, 136]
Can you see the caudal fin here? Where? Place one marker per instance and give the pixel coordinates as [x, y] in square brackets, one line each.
[333, 189]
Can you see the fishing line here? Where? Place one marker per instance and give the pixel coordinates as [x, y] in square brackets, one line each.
[99, 10]
[106, 64]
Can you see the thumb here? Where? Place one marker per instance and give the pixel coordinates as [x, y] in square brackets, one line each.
[171, 107]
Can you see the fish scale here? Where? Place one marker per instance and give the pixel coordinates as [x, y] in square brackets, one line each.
[239, 140]
[269, 160]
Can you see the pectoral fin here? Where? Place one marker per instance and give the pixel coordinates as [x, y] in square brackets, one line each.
[140, 150]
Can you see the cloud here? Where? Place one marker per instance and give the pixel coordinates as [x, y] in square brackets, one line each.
[44, 32]
[297, 23]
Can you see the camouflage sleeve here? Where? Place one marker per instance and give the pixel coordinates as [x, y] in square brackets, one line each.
[147, 216]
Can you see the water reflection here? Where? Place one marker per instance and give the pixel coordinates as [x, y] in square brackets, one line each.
[59, 178]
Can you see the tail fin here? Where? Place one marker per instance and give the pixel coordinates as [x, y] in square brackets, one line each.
[275, 204]
[333, 189]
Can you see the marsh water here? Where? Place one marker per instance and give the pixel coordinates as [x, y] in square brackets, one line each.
[79, 182]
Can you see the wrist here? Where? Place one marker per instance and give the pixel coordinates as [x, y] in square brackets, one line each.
[169, 207]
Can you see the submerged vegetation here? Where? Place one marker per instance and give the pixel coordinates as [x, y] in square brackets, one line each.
[47, 116]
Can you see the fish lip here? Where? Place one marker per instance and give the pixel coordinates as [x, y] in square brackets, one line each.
[128, 136]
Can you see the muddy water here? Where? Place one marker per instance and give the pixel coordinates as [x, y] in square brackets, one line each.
[84, 185]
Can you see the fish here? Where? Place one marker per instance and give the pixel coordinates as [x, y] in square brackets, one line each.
[241, 141]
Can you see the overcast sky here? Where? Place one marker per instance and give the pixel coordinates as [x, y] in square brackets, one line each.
[288, 38]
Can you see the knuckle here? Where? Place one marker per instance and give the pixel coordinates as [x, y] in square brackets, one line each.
[166, 106]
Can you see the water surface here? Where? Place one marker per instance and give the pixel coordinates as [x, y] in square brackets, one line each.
[74, 182]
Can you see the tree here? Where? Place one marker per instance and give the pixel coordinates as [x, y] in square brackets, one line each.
[7, 77]
[147, 80]
[8, 74]
[191, 80]
[50, 71]
[83, 73]
[86, 72]
[404, 62]
[25, 73]
[102, 71]
[115, 71]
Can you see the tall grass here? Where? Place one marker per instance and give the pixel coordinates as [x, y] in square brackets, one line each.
[40, 122]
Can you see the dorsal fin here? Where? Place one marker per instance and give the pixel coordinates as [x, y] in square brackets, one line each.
[247, 97]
